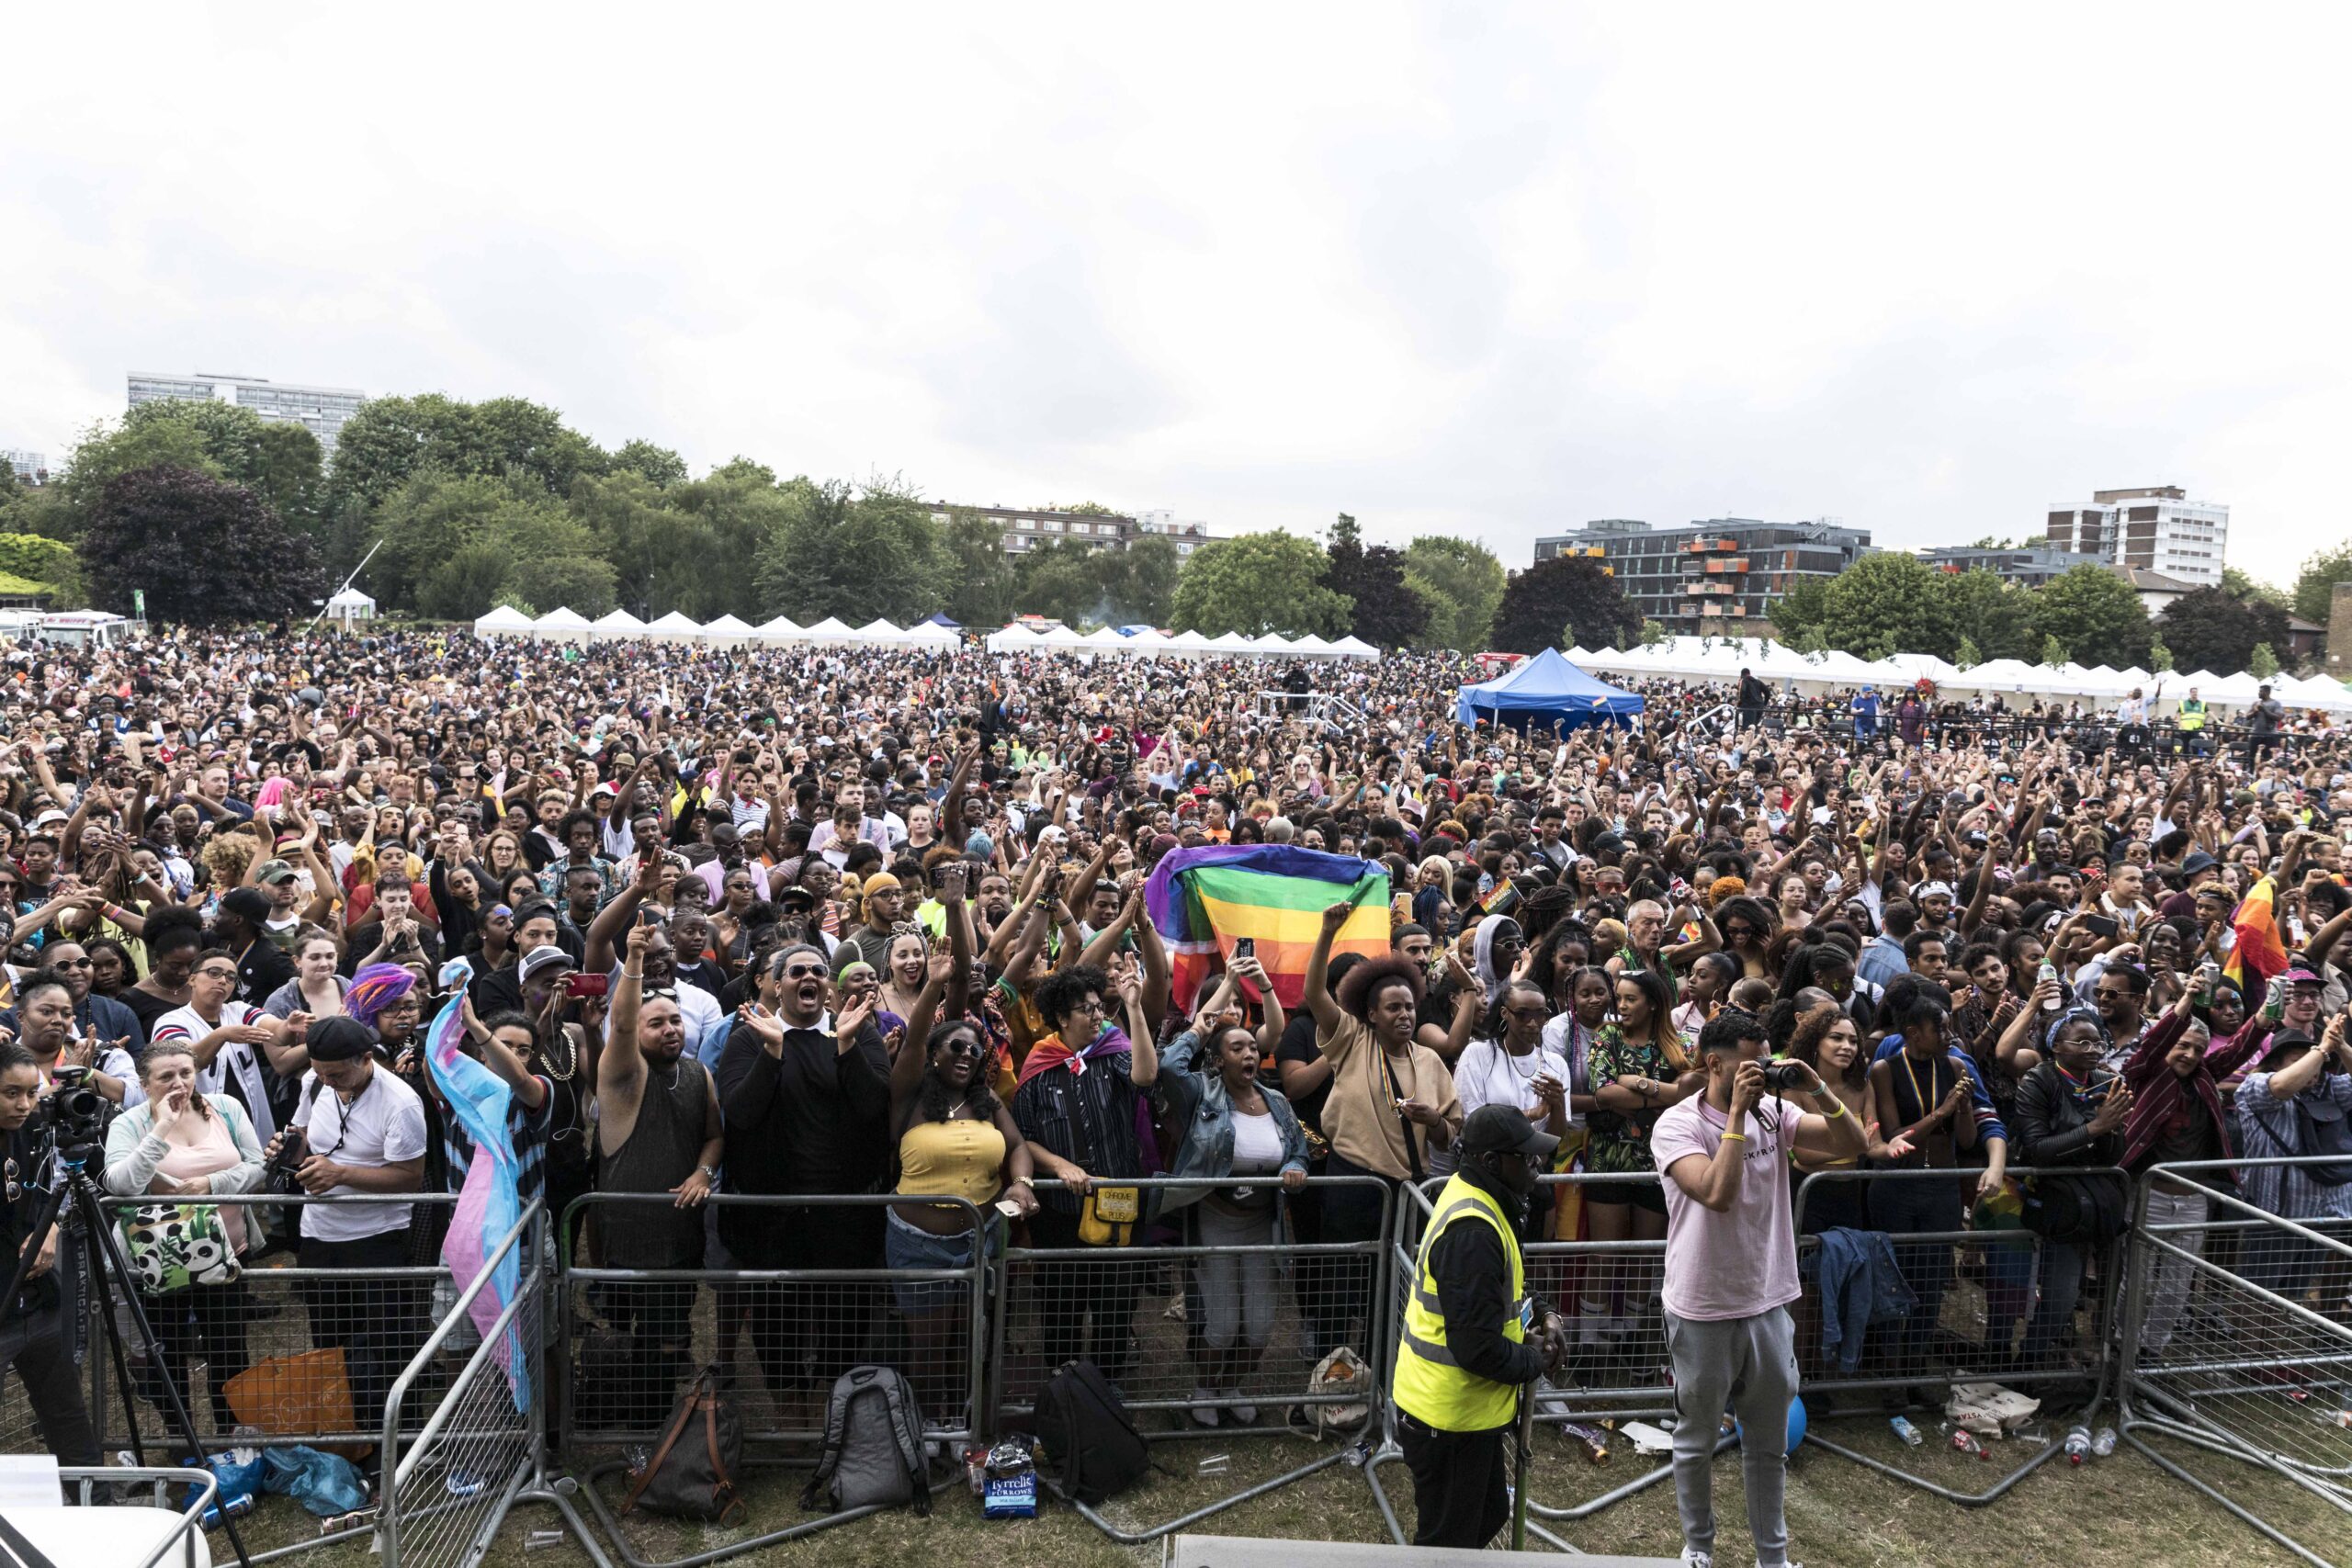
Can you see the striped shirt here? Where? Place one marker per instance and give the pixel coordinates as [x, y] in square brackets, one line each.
[2267, 1130]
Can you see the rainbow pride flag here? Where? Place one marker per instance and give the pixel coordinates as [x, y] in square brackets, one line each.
[1202, 899]
[490, 1201]
[2259, 952]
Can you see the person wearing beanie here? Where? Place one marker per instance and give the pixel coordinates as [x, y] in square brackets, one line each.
[882, 897]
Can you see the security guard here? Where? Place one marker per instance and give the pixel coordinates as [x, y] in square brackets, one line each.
[2190, 722]
[1466, 1349]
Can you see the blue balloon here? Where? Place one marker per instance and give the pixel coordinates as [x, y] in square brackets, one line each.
[1797, 1424]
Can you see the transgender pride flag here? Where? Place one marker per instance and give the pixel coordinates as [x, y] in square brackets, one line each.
[489, 1202]
[1273, 894]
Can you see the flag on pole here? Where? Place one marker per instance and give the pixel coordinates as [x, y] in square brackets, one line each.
[490, 1201]
[2259, 952]
[1202, 899]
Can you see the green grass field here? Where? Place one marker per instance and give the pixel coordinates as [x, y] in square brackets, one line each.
[2123, 1512]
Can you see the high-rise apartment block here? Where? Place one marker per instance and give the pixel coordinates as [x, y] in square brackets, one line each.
[2157, 528]
[1719, 577]
[1027, 528]
[320, 410]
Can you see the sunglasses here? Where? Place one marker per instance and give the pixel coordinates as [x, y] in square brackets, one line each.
[804, 972]
[960, 1046]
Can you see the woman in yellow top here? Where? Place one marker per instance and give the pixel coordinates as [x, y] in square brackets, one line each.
[956, 1139]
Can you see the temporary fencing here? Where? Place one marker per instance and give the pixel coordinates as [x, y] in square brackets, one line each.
[2236, 1338]
[447, 1489]
[305, 1354]
[1998, 1302]
[1226, 1318]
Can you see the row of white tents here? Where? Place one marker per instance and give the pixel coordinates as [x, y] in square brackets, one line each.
[1722, 658]
[1146, 643]
[727, 631]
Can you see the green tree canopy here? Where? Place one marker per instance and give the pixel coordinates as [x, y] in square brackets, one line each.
[1388, 614]
[1461, 583]
[388, 440]
[1568, 598]
[280, 463]
[1258, 583]
[2240, 584]
[1888, 603]
[203, 551]
[2098, 614]
[2212, 629]
[646, 460]
[980, 591]
[854, 552]
[2315, 584]
[1995, 617]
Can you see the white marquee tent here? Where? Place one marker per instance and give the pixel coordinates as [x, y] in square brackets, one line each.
[561, 624]
[504, 621]
[616, 625]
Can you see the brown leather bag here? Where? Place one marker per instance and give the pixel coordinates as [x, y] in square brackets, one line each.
[692, 1473]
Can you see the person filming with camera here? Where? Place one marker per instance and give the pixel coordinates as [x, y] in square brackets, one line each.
[1731, 1268]
[32, 1322]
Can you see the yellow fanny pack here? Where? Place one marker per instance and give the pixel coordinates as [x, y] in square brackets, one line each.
[1109, 1214]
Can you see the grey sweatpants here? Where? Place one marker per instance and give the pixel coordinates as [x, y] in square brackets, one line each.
[1750, 1364]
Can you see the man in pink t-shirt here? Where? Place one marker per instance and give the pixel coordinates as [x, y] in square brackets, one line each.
[1731, 1271]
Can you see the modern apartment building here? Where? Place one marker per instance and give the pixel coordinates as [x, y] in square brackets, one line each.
[320, 410]
[2156, 527]
[1719, 576]
[30, 466]
[2030, 565]
[1026, 528]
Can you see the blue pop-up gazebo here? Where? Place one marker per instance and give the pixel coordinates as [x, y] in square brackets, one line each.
[1545, 692]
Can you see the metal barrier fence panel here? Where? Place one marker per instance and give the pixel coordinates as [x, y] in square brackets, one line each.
[2237, 1337]
[1997, 1302]
[279, 1325]
[446, 1488]
[1219, 1329]
[630, 1338]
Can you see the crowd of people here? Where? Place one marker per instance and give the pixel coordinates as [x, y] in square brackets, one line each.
[830, 922]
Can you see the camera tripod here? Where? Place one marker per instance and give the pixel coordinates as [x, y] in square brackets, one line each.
[69, 1179]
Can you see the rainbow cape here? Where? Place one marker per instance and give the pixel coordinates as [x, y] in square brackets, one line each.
[1273, 894]
[491, 1203]
[2259, 952]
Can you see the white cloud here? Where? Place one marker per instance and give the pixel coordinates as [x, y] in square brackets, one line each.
[1475, 268]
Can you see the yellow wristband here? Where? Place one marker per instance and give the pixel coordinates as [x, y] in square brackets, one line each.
[1833, 1116]
[1729, 1137]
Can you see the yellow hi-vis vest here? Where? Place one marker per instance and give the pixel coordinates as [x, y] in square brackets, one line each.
[1429, 1385]
[2192, 714]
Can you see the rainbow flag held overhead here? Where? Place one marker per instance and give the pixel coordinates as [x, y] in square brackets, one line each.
[1202, 899]
[490, 1204]
[2259, 952]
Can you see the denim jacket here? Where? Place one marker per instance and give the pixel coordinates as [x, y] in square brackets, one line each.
[1198, 1107]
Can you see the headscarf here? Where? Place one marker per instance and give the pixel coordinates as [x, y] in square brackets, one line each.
[375, 988]
[1490, 982]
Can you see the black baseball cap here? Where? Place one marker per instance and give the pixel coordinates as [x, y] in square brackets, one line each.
[1502, 1129]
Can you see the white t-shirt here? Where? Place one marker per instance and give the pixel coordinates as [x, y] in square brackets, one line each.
[1742, 1263]
[384, 1126]
[1486, 1073]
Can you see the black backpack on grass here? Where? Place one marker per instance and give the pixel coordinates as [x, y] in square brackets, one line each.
[873, 1450]
[1091, 1445]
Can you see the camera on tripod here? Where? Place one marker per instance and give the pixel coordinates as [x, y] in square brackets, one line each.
[74, 1114]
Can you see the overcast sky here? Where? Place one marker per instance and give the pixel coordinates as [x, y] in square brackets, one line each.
[1480, 269]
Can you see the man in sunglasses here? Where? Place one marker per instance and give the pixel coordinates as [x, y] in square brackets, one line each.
[806, 1094]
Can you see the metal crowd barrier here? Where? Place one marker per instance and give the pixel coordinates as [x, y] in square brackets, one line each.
[446, 1490]
[268, 1323]
[1143, 1316]
[202, 1490]
[1984, 1286]
[2235, 1341]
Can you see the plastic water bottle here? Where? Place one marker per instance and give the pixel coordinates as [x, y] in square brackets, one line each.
[2103, 1445]
[1907, 1432]
[2050, 972]
[2079, 1445]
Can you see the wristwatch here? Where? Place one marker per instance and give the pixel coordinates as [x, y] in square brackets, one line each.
[707, 1172]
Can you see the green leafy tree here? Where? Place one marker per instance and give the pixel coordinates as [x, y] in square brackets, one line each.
[855, 553]
[2239, 584]
[2315, 584]
[1996, 617]
[1653, 633]
[1060, 580]
[2053, 652]
[37, 559]
[280, 463]
[1462, 583]
[1890, 603]
[2098, 616]
[2262, 663]
[1802, 611]
[582, 582]
[1388, 614]
[44, 510]
[1568, 597]
[387, 441]
[2160, 659]
[1967, 656]
[650, 542]
[657, 464]
[2213, 629]
[982, 590]
[206, 552]
[734, 518]
[1140, 582]
[426, 522]
[1258, 583]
